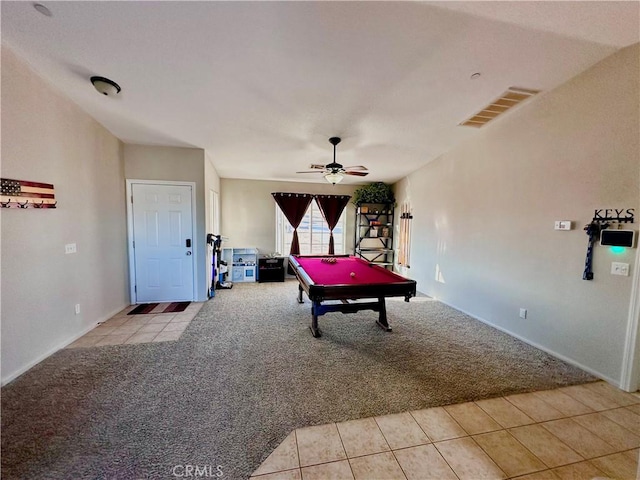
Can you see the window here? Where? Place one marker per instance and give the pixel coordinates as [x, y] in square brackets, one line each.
[313, 233]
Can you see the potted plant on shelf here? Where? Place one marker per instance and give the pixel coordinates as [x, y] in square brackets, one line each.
[377, 193]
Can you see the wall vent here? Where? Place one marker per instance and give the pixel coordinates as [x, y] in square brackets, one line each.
[509, 99]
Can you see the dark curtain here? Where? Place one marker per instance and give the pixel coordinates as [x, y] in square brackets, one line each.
[294, 206]
[331, 207]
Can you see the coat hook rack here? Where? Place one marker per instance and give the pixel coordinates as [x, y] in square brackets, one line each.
[44, 205]
[27, 204]
[25, 193]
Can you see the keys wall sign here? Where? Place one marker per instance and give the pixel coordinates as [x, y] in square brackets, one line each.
[623, 215]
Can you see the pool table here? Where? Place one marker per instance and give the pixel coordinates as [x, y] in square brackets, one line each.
[345, 278]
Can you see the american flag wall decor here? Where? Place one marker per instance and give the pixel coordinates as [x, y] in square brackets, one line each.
[24, 194]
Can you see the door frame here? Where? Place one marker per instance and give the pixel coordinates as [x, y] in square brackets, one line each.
[131, 253]
[630, 378]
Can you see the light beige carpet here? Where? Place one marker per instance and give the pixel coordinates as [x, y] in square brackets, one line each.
[244, 374]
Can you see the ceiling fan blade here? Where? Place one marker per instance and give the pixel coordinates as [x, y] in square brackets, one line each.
[357, 174]
[356, 167]
[312, 171]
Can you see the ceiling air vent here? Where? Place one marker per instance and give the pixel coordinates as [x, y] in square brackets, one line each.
[508, 100]
[316, 166]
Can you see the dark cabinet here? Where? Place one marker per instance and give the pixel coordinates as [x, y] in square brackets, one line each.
[271, 269]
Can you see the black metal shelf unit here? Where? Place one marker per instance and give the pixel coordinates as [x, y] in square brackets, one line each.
[374, 233]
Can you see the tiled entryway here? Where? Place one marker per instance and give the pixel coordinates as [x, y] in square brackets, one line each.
[124, 329]
[571, 433]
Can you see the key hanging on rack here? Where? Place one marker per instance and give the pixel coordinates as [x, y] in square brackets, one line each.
[593, 231]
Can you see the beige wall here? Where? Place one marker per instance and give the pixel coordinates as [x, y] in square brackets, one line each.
[211, 185]
[46, 138]
[143, 162]
[249, 212]
[484, 216]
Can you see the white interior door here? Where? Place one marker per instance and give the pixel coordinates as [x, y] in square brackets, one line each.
[163, 242]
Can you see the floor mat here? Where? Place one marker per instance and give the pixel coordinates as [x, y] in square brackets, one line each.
[148, 308]
[176, 307]
[143, 309]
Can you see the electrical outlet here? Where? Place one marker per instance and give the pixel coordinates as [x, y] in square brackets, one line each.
[523, 313]
[70, 248]
[77, 308]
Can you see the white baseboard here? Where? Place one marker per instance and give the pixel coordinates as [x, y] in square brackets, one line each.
[559, 356]
[12, 376]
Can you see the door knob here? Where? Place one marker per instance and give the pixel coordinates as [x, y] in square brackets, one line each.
[188, 253]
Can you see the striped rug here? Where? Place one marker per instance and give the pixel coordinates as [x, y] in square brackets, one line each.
[148, 308]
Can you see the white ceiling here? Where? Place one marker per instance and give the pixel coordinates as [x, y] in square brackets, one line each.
[263, 85]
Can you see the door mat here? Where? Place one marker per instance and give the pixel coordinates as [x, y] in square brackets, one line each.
[143, 309]
[148, 308]
[176, 307]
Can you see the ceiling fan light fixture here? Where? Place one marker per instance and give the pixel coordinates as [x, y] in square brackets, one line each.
[334, 177]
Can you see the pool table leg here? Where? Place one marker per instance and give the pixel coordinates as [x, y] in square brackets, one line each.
[300, 294]
[315, 331]
[382, 318]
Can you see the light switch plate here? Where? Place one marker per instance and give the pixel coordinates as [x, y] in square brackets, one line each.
[70, 248]
[562, 225]
[618, 268]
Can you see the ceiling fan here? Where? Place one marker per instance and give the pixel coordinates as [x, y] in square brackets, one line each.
[334, 172]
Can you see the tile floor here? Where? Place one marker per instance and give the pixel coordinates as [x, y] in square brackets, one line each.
[571, 433]
[129, 329]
